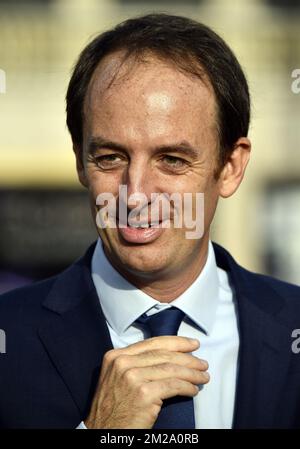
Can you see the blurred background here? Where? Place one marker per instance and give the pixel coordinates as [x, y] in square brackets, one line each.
[45, 221]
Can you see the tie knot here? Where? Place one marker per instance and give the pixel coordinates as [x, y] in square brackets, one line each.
[166, 322]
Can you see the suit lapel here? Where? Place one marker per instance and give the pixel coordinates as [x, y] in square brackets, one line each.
[75, 333]
[264, 352]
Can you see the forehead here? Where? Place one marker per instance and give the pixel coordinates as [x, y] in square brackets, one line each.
[150, 97]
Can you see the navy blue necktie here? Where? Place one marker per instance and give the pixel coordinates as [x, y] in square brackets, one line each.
[176, 412]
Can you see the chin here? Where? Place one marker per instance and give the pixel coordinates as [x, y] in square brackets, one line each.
[142, 259]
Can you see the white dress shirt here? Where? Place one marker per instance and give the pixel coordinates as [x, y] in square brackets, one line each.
[210, 317]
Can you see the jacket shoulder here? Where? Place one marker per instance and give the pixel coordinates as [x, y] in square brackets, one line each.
[25, 298]
[282, 287]
[28, 301]
[267, 287]
[254, 283]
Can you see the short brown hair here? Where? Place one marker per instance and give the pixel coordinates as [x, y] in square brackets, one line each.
[192, 47]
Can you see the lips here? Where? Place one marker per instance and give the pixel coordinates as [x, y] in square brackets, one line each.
[142, 224]
[141, 234]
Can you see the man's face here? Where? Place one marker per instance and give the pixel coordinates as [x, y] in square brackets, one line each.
[159, 131]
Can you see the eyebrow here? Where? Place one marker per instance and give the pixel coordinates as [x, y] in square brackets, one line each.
[183, 147]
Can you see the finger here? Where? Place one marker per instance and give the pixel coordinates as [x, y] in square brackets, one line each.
[136, 376]
[152, 358]
[169, 343]
[166, 388]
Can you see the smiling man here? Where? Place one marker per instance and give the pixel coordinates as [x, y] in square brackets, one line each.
[153, 328]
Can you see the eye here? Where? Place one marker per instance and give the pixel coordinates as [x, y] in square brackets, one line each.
[174, 162]
[108, 160]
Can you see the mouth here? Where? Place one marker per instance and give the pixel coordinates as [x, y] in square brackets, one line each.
[138, 225]
[141, 233]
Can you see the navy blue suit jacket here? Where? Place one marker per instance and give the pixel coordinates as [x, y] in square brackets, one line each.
[56, 336]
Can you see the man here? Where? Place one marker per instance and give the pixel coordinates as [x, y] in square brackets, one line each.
[151, 328]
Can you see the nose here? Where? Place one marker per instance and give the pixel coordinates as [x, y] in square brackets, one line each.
[140, 182]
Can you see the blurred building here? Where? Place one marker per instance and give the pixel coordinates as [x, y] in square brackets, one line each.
[44, 215]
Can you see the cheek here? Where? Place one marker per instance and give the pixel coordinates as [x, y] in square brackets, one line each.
[210, 204]
[209, 188]
[102, 182]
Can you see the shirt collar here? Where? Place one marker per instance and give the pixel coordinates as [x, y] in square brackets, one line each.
[122, 303]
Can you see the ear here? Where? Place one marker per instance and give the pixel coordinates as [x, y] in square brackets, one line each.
[233, 172]
[80, 165]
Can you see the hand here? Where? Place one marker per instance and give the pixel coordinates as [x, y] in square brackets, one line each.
[135, 380]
